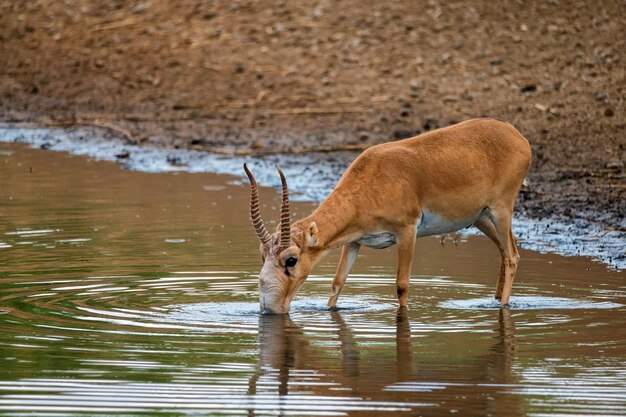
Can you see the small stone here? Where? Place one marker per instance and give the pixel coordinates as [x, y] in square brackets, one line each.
[174, 160]
[140, 7]
[122, 155]
[430, 124]
[529, 88]
[404, 134]
[615, 164]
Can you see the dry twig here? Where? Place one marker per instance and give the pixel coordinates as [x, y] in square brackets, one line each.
[618, 186]
[267, 151]
[97, 123]
[115, 25]
[308, 110]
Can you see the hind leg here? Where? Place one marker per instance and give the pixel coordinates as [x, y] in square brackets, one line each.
[497, 226]
[508, 287]
[501, 219]
[485, 225]
[406, 247]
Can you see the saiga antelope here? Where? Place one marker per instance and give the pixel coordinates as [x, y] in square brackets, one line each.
[434, 183]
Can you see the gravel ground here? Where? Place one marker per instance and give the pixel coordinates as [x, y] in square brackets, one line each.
[255, 77]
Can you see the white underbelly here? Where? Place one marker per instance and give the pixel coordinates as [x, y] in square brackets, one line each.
[433, 224]
[379, 240]
[430, 224]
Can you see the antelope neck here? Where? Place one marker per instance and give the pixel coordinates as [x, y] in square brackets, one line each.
[334, 220]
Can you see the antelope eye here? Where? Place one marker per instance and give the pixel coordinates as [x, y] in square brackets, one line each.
[291, 261]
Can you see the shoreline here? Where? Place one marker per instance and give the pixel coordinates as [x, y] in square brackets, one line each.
[312, 176]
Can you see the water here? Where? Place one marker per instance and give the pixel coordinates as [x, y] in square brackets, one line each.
[127, 293]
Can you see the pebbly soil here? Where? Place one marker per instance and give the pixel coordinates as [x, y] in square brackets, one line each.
[267, 76]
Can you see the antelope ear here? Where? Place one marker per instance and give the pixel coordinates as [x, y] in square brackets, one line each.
[311, 235]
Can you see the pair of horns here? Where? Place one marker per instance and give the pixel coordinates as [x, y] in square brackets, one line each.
[255, 212]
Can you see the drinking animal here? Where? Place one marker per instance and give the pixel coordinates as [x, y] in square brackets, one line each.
[438, 182]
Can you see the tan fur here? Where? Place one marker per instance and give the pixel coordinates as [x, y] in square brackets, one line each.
[437, 182]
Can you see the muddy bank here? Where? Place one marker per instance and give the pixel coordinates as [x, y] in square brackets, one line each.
[256, 77]
[312, 177]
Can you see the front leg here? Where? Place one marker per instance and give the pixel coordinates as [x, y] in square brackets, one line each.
[406, 246]
[348, 256]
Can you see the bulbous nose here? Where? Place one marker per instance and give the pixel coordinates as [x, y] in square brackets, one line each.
[267, 311]
[271, 308]
[273, 311]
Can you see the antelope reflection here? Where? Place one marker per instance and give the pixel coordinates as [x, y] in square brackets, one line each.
[285, 352]
[283, 347]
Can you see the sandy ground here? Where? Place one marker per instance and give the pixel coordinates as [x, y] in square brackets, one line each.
[265, 76]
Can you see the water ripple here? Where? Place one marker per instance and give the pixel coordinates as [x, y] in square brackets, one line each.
[519, 302]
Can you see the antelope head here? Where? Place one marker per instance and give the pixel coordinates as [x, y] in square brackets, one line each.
[288, 255]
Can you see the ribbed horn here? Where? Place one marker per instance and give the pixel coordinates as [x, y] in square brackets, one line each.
[285, 220]
[255, 212]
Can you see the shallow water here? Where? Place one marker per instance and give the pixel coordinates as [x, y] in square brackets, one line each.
[127, 293]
